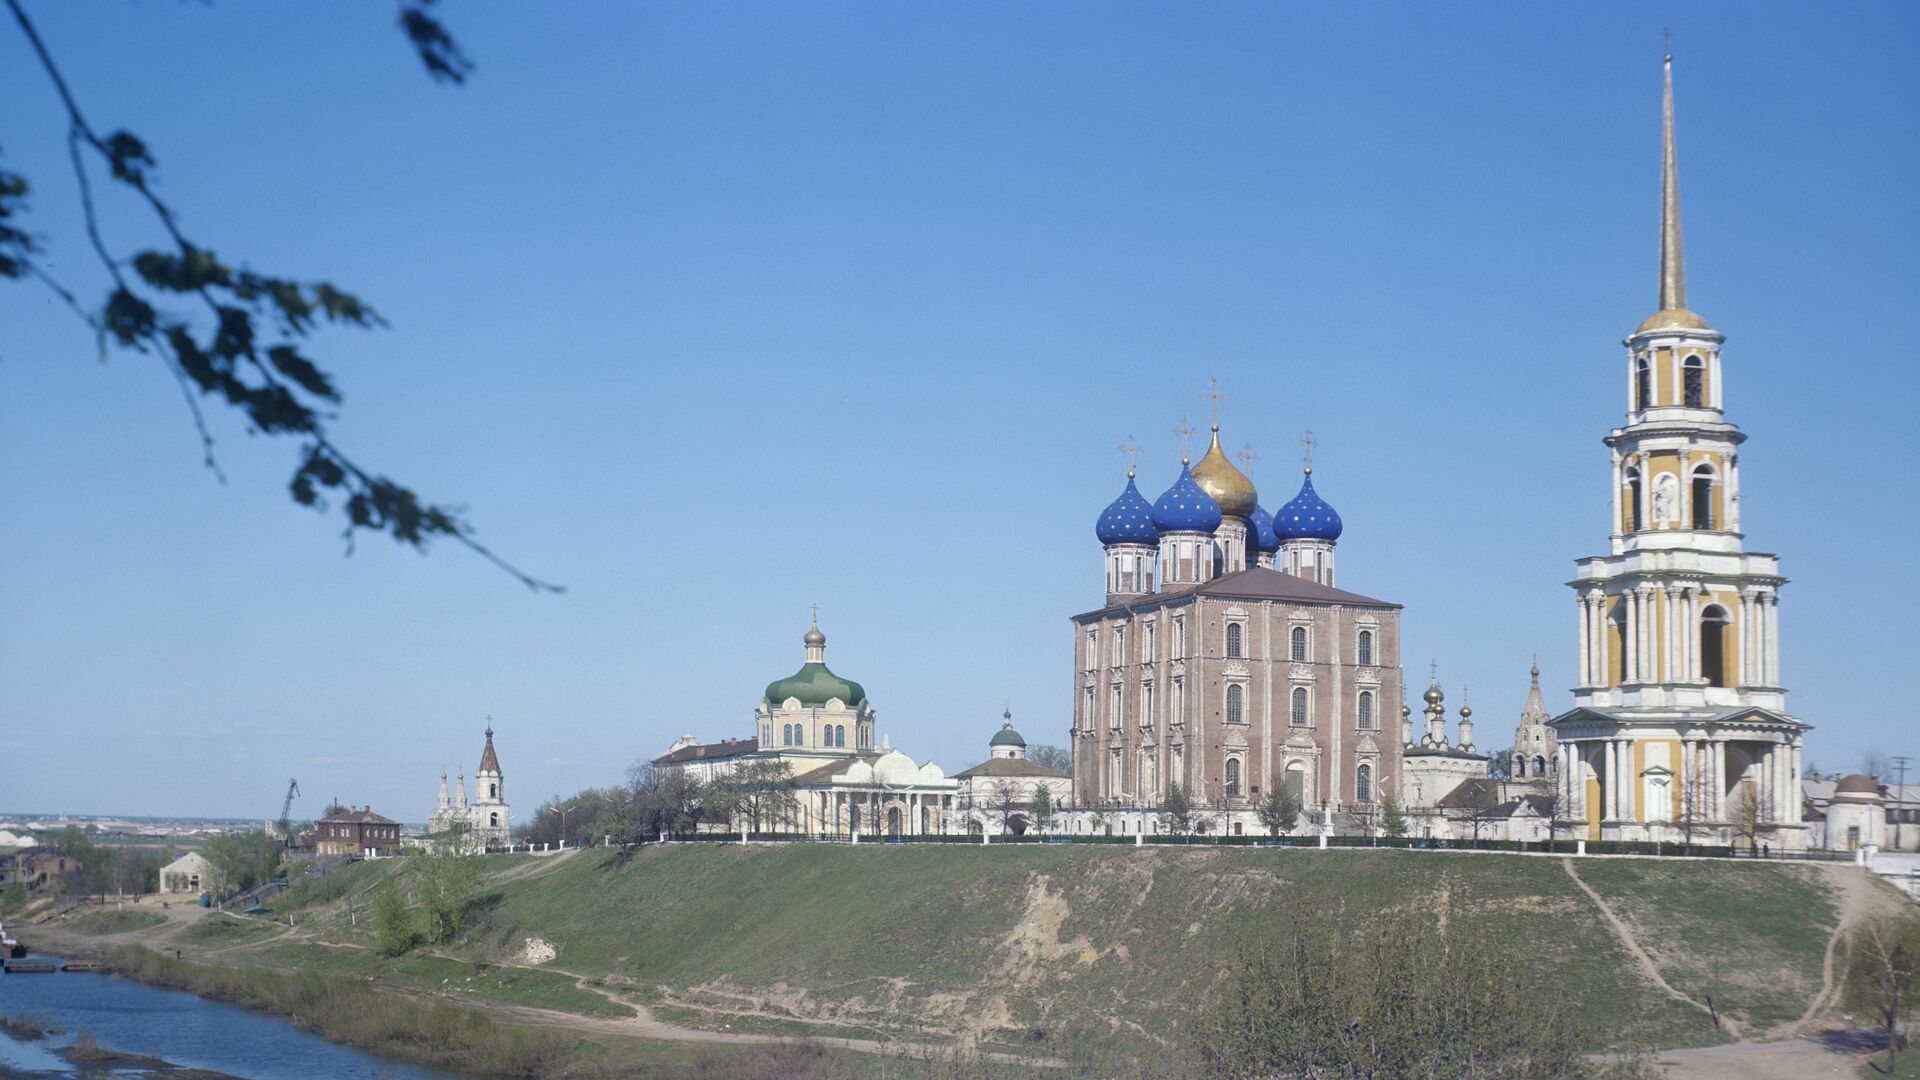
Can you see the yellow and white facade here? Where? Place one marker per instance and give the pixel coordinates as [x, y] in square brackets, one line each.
[1679, 714]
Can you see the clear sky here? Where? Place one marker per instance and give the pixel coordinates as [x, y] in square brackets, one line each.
[713, 311]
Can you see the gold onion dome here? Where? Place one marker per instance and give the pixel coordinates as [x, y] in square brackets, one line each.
[1228, 485]
[1433, 695]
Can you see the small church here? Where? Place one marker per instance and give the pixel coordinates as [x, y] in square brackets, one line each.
[487, 819]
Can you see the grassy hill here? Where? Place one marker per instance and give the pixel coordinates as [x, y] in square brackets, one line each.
[1057, 947]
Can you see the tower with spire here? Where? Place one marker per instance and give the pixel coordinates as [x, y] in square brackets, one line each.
[1678, 665]
[1536, 752]
[486, 823]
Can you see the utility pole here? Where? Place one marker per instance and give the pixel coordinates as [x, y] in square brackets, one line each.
[1900, 762]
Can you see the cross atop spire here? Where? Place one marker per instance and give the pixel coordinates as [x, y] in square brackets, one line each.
[1131, 449]
[1248, 456]
[1184, 431]
[815, 608]
[1307, 443]
[1214, 399]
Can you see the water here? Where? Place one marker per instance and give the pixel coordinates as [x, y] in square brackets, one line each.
[183, 1029]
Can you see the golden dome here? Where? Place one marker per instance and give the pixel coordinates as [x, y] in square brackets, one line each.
[1228, 485]
[1673, 319]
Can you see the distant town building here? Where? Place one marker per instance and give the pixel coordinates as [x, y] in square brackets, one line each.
[1536, 753]
[190, 873]
[487, 821]
[356, 831]
[1431, 766]
[1854, 811]
[36, 867]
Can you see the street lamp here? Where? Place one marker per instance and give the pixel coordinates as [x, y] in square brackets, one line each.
[564, 811]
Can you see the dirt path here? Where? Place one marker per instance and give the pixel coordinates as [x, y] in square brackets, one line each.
[1858, 902]
[1640, 958]
[1836, 1054]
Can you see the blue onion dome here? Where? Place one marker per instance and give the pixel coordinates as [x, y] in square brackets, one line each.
[1264, 538]
[1228, 485]
[1128, 519]
[1185, 507]
[1307, 516]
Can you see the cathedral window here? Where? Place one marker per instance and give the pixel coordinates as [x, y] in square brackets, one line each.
[840, 735]
[1179, 701]
[1179, 636]
[1233, 640]
[1703, 497]
[1363, 784]
[1295, 781]
[1714, 626]
[1643, 384]
[1113, 712]
[1119, 645]
[1366, 710]
[1695, 382]
[1299, 643]
[1233, 776]
[786, 734]
[1093, 649]
[1146, 642]
[1300, 706]
[1236, 705]
[1365, 651]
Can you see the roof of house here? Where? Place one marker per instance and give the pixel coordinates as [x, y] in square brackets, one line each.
[1477, 791]
[1262, 583]
[1010, 767]
[725, 748]
[363, 816]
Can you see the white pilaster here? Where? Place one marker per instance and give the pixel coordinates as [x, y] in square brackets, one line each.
[1630, 637]
[1583, 613]
[1719, 791]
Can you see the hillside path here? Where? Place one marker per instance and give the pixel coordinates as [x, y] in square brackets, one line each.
[1640, 958]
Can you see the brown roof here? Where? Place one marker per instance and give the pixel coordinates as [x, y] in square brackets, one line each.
[825, 772]
[1010, 767]
[1857, 785]
[366, 816]
[1474, 791]
[1261, 583]
[725, 748]
[489, 763]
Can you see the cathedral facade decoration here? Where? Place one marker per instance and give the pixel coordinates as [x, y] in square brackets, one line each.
[1679, 712]
[486, 822]
[1224, 660]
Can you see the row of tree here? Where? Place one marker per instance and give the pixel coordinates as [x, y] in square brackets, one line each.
[757, 796]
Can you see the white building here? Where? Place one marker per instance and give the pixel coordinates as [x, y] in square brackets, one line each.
[487, 821]
[190, 873]
[997, 794]
[1679, 713]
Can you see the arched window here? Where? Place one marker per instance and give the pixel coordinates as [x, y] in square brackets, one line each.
[1300, 706]
[1643, 384]
[1519, 767]
[1295, 780]
[786, 734]
[1236, 705]
[1233, 776]
[1633, 500]
[1714, 626]
[1233, 639]
[1366, 710]
[1539, 765]
[1694, 379]
[493, 821]
[1365, 651]
[1299, 642]
[1703, 497]
[1363, 784]
[840, 735]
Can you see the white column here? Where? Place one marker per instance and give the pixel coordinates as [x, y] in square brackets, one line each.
[1630, 637]
[1731, 495]
[1629, 780]
[1583, 615]
[1714, 365]
[1793, 763]
[1745, 639]
[1645, 595]
[1671, 654]
[1617, 526]
[1689, 635]
[1609, 798]
[1719, 790]
[1773, 639]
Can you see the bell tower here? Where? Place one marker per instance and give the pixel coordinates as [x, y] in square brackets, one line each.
[1679, 707]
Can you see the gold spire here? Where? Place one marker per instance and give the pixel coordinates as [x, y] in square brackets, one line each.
[1673, 313]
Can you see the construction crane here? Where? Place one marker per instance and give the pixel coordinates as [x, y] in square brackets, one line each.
[286, 808]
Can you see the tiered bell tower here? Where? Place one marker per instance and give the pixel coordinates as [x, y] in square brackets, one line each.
[1679, 708]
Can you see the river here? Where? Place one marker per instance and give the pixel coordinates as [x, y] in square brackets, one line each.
[177, 1027]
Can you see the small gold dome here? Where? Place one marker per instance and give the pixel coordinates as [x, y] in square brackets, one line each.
[1433, 694]
[1673, 319]
[1228, 485]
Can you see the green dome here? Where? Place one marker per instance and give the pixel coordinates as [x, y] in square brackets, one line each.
[1006, 736]
[814, 685]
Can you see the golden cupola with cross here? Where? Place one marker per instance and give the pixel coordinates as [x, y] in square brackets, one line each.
[1679, 709]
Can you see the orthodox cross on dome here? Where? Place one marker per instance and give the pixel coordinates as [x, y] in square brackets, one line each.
[1433, 670]
[489, 725]
[1307, 443]
[815, 608]
[1666, 38]
[1185, 431]
[1131, 449]
[1214, 399]
[1248, 456]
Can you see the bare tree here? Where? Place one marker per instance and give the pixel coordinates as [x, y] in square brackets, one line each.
[1880, 970]
[1693, 803]
[1744, 811]
[1475, 808]
[1004, 799]
[1874, 763]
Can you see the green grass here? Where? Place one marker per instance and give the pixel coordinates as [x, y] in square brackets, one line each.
[218, 929]
[115, 921]
[446, 977]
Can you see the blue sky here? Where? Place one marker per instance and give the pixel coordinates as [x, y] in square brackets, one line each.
[713, 311]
